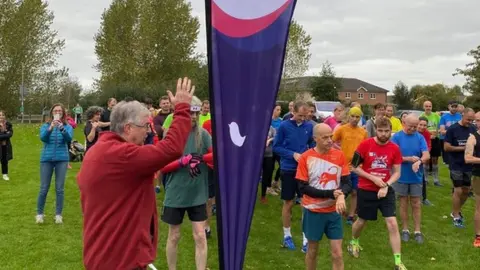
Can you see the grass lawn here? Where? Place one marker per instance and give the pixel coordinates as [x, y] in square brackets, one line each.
[26, 245]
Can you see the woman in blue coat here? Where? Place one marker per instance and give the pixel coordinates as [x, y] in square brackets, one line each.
[56, 136]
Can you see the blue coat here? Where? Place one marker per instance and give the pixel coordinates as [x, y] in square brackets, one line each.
[55, 143]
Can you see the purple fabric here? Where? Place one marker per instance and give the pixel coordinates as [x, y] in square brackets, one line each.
[245, 69]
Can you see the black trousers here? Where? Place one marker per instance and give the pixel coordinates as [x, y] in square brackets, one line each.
[79, 118]
[267, 170]
[276, 158]
[445, 155]
[4, 160]
[424, 188]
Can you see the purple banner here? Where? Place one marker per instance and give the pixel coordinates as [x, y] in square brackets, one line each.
[246, 48]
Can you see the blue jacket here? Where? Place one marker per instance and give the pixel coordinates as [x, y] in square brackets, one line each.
[292, 138]
[55, 143]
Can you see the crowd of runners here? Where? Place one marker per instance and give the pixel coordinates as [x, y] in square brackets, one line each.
[323, 163]
[375, 163]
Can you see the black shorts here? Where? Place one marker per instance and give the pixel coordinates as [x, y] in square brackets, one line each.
[174, 216]
[211, 183]
[289, 185]
[436, 150]
[461, 179]
[368, 204]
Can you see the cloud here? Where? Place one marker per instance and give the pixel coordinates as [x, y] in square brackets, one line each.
[382, 42]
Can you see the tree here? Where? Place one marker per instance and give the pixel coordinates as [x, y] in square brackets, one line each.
[143, 46]
[401, 96]
[29, 48]
[438, 94]
[471, 72]
[324, 87]
[297, 53]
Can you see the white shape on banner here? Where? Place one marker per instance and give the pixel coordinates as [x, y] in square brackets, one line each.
[235, 135]
[249, 9]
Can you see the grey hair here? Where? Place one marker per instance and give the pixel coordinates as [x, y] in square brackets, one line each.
[92, 111]
[126, 112]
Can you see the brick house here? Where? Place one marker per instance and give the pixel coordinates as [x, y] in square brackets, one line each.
[352, 90]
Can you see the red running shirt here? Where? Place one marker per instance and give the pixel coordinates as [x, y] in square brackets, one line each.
[378, 160]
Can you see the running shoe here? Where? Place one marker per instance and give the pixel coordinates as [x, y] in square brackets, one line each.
[405, 235]
[354, 249]
[426, 202]
[476, 242]
[419, 238]
[263, 200]
[305, 248]
[458, 222]
[288, 243]
[400, 267]
[460, 213]
[350, 220]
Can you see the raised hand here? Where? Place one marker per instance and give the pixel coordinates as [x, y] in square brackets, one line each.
[184, 92]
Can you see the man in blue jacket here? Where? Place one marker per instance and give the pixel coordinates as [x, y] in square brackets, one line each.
[294, 136]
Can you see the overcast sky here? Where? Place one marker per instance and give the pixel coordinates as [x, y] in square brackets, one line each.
[381, 42]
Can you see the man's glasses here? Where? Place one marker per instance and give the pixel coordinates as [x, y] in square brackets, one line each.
[146, 126]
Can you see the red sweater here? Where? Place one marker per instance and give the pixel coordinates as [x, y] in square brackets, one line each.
[426, 134]
[120, 221]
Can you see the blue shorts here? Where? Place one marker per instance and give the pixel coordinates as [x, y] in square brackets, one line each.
[315, 225]
[354, 179]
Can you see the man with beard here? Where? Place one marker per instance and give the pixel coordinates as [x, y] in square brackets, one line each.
[162, 114]
[472, 156]
[324, 180]
[447, 120]
[460, 172]
[380, 162]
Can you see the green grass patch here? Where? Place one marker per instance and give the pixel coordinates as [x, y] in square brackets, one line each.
[26, 245]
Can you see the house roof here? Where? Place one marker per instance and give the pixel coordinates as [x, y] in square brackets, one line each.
[348, 85]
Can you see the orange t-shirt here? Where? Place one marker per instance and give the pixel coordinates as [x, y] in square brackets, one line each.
[349, 138]
[321, 171]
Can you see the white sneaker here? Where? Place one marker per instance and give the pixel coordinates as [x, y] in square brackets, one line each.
[58, 219]
[5, 177]
[39, 219]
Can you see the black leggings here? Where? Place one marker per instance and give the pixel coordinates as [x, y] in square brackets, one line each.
[424, 188]
[4, 160]
[276, 158]
[267, 171]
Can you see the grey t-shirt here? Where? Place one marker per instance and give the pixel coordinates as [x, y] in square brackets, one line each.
[269, 148]
[370, 127]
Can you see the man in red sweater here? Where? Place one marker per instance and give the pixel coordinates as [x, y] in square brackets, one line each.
[120, 217]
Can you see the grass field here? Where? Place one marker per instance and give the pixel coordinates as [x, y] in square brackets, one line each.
[26, 245]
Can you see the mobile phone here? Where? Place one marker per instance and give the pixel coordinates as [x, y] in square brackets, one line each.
[56, 117]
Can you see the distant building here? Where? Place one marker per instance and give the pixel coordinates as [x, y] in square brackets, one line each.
[352, 90]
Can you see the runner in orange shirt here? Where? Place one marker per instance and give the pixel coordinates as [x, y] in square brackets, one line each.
[349, 137]
[324, 180]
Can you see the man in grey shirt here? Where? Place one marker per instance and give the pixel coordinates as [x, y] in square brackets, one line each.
[379, 111]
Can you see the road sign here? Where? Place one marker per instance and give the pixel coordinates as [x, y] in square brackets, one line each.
[21, 109]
